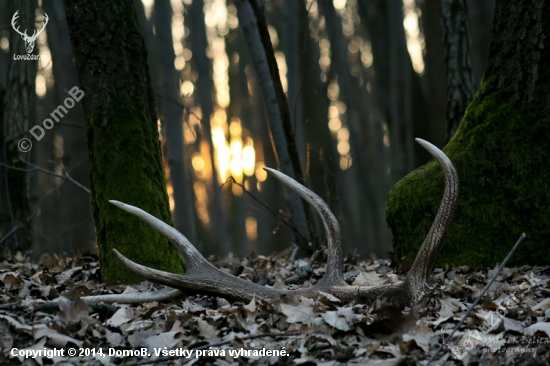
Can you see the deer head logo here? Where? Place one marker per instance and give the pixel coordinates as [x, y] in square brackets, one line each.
[29, 41]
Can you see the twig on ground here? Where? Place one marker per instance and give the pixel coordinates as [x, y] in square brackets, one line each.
[50, 307]
[295, 249]
[474, 304]
[262, 280]
[304, 272]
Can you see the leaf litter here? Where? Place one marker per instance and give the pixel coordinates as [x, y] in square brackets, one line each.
[41, 309]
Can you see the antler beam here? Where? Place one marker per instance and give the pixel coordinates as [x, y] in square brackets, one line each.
[203, 277]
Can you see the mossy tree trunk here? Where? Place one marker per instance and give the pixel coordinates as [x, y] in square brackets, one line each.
[122, 135]
[500, 151]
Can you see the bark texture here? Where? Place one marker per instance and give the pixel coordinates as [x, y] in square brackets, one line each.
[277, 112]
[434, 76]
[460, 83]
[171, 118]
[500, 152]
[292, 34]
[480, 17]
[122, 134]
[393, 71]
[519, 50]
[322, 159]
[354, 196]
[278, 89]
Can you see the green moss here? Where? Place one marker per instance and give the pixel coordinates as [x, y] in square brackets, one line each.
[501, 153]
[125, 165]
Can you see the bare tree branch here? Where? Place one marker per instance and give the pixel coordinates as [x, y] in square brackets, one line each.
[49, 172]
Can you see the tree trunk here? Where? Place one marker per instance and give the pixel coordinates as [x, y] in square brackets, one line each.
[393, 68]
[322, 159]
[5, 18]
[122, 134]
[460, 83]
[171, 117]
[518, 55]
[291, 38]
[435, 127]
[18, 107]
[74, 210]
[7, 228]
[205, 88]
[480, 16]
[500, 152]
[288, 163]
[282, 103]
[358, 206]
[6, 220]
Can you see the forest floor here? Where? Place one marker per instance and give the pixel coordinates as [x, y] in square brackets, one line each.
[510, 326]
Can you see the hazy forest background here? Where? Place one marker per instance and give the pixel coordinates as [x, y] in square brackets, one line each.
[363, 78]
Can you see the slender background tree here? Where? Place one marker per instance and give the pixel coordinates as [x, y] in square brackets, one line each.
[18, 116]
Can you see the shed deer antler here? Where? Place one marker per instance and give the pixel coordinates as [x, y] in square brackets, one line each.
[29, 41]
[203, 277]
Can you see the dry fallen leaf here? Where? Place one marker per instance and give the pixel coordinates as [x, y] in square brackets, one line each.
[368, 278]
[206, 330]
[73, 312]
[123, 315]
[421, 333]
[538, 327]
[542, 306]
[53, 337]
[298, 314]
[15, 324]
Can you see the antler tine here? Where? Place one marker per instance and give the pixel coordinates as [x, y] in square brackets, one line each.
[208, 282]
[193, 258]
[13, 19]
[334, 273]
[418, 275]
